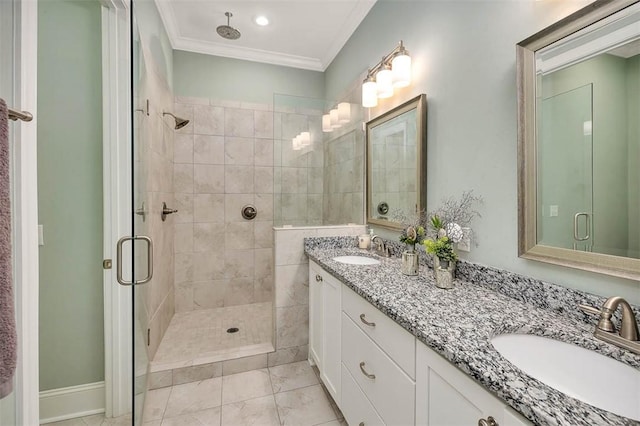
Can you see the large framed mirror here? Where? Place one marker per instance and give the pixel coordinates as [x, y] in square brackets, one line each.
[396, 145]
[579, 141]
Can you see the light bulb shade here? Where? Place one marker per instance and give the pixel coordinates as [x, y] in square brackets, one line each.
[401, 69]
[305, 139]
[344, 112]
[296, 144]
[384, 82]
[335, 122]
[326, 123]
[369, 94]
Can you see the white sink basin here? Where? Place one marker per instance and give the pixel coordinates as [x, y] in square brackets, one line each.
[580, 373]
[356, 260]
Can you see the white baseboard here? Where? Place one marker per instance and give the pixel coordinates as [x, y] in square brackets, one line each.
[72, 402]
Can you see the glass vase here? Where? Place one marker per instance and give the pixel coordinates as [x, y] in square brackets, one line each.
[410, 261]
[444, 272]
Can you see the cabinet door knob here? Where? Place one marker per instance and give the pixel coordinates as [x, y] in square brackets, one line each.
[361, 424]
[318, 278]
[365, 322]
[490, 421]
[367, 375]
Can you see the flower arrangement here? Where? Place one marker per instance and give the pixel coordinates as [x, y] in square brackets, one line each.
[412, 235]
[445, 226]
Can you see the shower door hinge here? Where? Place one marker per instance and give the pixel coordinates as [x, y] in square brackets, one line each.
[148, 336]
[106, 264]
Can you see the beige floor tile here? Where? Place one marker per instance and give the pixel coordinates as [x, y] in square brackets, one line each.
[210, 417]
[304, 407]
[253, 412]
[96, 420]
[195, 396]
[243, 386]
[152, 423]
[292, 376]
[155, 404]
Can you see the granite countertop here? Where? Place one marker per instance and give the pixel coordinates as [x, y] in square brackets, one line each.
[459, 324]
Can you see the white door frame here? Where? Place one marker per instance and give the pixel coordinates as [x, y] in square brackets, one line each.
[25, 209]
[116, 92]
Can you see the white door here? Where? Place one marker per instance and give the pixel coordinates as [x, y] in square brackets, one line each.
[18, 78]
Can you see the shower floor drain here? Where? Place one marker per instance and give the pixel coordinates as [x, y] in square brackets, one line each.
[233, 330]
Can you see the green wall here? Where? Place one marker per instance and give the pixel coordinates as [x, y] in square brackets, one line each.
[207, 76]
[464, 59]
[70, 192]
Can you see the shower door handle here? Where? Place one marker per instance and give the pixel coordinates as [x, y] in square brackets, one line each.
[133, 239]
[576, 235]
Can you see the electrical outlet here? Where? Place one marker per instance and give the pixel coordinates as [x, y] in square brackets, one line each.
[465, 242]
[553, 211]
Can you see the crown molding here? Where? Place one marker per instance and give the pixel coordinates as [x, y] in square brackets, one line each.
[248, 54]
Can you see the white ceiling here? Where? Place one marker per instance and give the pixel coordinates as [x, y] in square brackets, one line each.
[305, 34]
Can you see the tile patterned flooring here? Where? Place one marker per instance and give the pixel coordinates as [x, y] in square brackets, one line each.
[200, 336]
[288, 394]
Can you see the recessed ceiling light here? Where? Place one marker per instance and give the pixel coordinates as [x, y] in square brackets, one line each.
[262, 20]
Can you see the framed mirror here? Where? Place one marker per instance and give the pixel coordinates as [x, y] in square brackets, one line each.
[396, 145]
[579, 141]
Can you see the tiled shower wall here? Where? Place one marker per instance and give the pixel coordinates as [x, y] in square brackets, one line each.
[298, 173]
[223, 160]
[292, 288]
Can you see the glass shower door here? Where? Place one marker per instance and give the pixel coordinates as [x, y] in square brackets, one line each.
[142, 246]
[565, 212]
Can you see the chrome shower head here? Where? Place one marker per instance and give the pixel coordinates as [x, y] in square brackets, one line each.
[180, 122]
[227, 31]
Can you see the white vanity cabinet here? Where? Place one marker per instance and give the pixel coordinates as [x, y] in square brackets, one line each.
[378, 373]
[325, 307]
[447, 396]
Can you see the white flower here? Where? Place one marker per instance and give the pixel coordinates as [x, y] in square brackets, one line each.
[442, 233]
[454, 232]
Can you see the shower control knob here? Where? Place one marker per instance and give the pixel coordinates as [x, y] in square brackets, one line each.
[249, 212]
[167, 211]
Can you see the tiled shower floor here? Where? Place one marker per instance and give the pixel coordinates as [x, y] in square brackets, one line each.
[200, 337]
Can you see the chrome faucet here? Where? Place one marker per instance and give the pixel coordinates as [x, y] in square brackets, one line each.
[606, 330]
[380, 247]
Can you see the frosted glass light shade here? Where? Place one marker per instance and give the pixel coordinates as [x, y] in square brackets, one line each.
[305, 139]
[384, 82]
[369, 94]
[326, 123]
[344, 112]
[335, 122]
[296, 144]
[401, 69]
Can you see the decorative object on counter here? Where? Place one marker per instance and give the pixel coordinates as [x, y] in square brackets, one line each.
[445, 230]
[441, 247]
[364, 241]
[411, 235]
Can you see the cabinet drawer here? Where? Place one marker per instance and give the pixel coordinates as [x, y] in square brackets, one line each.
[397, 342]
[388, 388]
[355, 406]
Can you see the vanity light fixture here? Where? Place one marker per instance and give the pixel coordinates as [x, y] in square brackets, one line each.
[344, 112]
[334, 120]
[303, 140]
[326, 123]
[393, 71]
